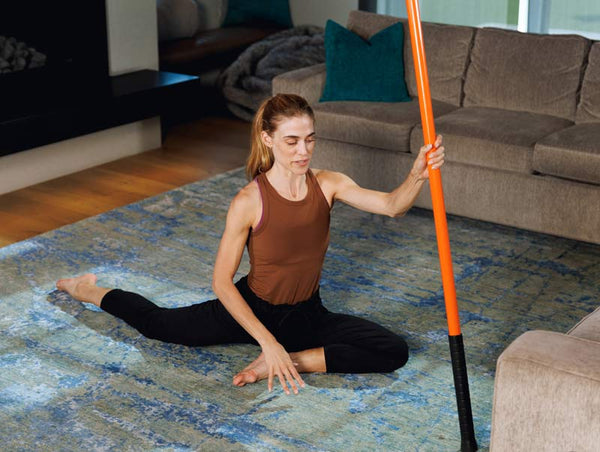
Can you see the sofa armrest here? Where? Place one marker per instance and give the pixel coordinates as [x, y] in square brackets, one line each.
[547, 394]
[307, 82]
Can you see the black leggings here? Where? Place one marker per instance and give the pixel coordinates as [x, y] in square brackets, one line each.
[351, 344]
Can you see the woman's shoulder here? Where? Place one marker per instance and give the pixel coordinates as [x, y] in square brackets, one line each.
[247, 202]
[328, 177]
[248, 195]
[329, 182]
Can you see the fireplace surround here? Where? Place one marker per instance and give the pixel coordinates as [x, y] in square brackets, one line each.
[73, 94]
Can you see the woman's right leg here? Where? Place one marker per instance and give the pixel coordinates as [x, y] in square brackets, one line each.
[199, 324]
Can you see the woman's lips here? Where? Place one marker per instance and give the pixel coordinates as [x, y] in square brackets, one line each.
[302, 162]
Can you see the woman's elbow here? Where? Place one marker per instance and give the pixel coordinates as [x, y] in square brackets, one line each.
[397, 213]
[217, 285]
[220, 283]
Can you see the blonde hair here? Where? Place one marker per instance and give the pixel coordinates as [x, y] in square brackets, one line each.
[269, 115]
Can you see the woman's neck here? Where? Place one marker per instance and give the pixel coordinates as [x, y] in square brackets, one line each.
[289, 185]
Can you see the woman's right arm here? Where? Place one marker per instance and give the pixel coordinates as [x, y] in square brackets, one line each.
[240, 218]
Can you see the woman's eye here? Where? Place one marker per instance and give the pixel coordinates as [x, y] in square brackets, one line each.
[292, 143]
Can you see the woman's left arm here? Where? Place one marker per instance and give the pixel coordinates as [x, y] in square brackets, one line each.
[399, 201]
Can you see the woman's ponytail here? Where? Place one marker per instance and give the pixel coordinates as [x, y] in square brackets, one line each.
[261, 157]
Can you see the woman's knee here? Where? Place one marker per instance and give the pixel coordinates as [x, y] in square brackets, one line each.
[397, 354]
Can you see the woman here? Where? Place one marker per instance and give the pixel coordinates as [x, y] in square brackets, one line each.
[282, 215]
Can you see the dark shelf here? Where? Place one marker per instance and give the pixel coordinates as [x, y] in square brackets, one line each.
[46, 106]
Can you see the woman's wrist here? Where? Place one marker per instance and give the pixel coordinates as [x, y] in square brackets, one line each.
[266, 340]
[415, 176]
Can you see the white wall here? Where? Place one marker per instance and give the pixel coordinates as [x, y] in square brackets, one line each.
[316, 12]
[25, 168]
[132, 42]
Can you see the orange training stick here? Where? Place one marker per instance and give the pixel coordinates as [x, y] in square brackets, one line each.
[455, 339]
[435, 178]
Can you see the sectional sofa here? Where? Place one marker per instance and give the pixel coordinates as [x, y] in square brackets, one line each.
[520, 116]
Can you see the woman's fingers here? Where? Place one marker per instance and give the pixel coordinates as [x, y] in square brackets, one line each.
[437, 157]
[270, 380]
[287, 376]
[283, 383]
[297, 376]
[280, 364]
[291, 381]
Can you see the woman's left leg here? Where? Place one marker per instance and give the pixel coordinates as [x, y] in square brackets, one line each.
[355, 345]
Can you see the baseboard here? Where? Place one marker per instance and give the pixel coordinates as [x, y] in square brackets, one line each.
[48, 162]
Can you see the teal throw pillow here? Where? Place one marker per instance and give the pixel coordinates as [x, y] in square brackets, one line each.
[247, 11]
[364, 70]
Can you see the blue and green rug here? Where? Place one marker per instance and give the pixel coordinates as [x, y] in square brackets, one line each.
[75, 378]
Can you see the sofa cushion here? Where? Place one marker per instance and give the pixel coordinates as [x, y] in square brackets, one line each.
[490, 137]
[384, 125]
[572, 153]
[446, 47]
[588, 327]
[447, 51]
[589, 105]
[525, 72]
[366, 24]
[364, 70]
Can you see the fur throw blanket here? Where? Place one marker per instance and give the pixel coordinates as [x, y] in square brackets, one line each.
[247, 82]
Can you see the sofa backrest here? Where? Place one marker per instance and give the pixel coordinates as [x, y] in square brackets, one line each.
[588, 109]
[525, 72]
[446, 48]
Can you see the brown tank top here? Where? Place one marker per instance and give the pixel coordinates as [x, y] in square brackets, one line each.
[288, 246]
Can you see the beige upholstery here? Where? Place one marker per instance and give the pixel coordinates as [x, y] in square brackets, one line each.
[572, 153]
[525, 72]
[307, 82]
[547, 395]
[492, 137]
[384, 125]
[447, 51]
[503, 197]
[588, 327]
[589, 106]
[366, 24]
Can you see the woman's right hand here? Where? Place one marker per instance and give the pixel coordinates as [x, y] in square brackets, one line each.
[279, 363]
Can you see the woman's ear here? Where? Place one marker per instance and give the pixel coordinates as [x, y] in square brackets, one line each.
[266, 139]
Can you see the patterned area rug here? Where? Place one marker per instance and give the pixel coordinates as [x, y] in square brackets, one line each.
[74, 378]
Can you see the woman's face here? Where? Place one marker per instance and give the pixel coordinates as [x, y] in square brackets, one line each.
[292, 143]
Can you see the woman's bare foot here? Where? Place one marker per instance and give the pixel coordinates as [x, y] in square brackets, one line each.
[255, 371]
[83, 288]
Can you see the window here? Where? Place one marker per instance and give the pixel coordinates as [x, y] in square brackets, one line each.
[537, 16]
[565, 16]
[475, 13]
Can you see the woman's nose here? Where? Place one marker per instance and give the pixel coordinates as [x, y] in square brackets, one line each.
[302, 148]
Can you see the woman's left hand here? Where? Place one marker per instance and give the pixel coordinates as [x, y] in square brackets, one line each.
[435, 159]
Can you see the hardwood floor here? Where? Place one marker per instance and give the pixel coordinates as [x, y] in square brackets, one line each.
[190, 152]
